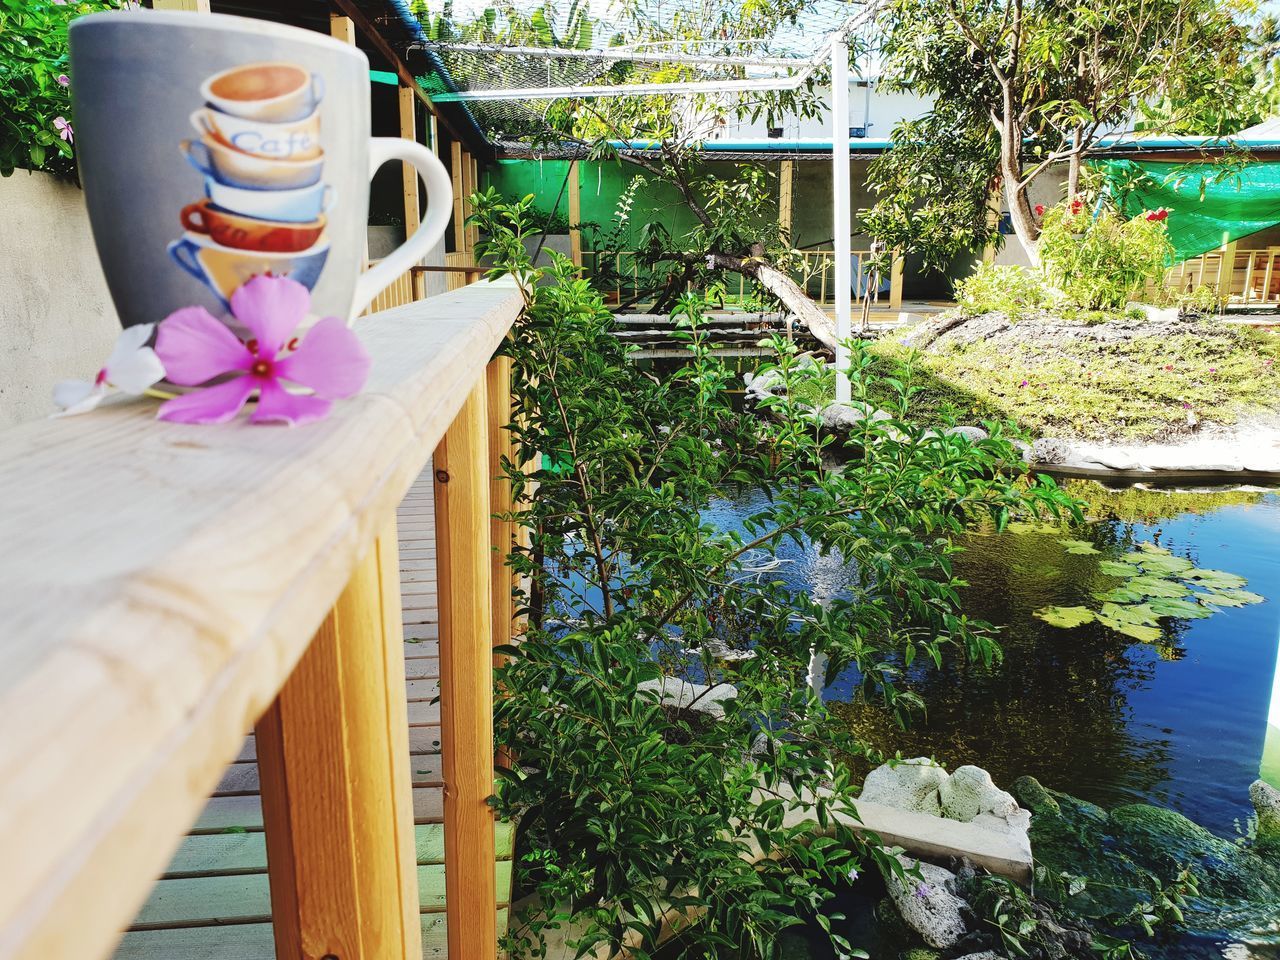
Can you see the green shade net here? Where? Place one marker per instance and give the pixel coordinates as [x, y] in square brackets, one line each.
[1204, 211]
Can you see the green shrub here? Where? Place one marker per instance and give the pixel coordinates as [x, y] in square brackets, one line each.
[1010, 290]
[1103, 261]
[35, 124]
[627, 805]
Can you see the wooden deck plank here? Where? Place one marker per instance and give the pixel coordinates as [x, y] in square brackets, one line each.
[230, 853]
[246, 897]
[249, 941]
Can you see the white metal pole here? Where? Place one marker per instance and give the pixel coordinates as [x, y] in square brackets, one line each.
[840, 212]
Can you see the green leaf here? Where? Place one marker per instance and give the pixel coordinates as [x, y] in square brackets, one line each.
[1181, 608]
[1120, 595]
[1080, 547]
[1152, 586]
[1116, 568]
[1216, 579]
[1166, 565]
[1138, 631]
[1130, 613]
[1231, 598]
[1065, 616]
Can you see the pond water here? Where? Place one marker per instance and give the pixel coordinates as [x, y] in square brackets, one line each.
[1179, 722]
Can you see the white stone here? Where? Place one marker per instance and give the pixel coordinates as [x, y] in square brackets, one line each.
[840, 416]
[1051, 450]
[683, 695]
[929, 905]
[972, 434]
[970, 791]
[984, 955]
[910, 785]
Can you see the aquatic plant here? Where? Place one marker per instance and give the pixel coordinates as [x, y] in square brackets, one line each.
[1153, 585]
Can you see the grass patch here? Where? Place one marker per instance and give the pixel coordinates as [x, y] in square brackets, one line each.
[1135, 387]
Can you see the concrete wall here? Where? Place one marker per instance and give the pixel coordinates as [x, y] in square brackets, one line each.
[56, 316]
[1048, 188]
[384, 239]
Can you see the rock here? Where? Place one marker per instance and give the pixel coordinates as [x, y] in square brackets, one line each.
[972, 434]
[840, 416]
[682, 695]
[1266, 804]
[970, 791]
[1051, 450]
[908, 785]
[984, 955]
[1022, 447]
[1031, 794]
[929, 905]
[762, 385]
[921, 953]
[1115, 458]
[1153, 314]
[1015, 824]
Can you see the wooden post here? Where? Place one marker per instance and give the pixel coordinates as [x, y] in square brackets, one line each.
[786, 186]
[409, 176]
[502, 532]
[195, 6]
[473, 236]
[337, 798]
[342, 28]
[466, 679]
[459, 211]
[575, 213]
[1226, 273]
[895, 282]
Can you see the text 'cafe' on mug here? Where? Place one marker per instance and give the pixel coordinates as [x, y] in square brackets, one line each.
[263, 211]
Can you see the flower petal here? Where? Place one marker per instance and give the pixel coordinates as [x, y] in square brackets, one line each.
[272, 308]
[77, 396]
[216, 404]
[331, 360]
[137, 371]
[277, 404]
[131, 340]
[194, 346]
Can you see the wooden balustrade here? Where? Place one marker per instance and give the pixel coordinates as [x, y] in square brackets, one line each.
[816, 274]
[165, 588]
[1235, 276]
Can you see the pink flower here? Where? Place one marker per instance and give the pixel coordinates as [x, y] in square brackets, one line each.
[1023, 383]
[1213, 369]
[64, 80]
[63, 126]
[1168, 366]
[923, 890]
[195, 348]
[1266, 363]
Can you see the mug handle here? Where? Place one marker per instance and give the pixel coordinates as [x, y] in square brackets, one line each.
[205, 162]
[180, 253]
[439, 210]
[192, 217]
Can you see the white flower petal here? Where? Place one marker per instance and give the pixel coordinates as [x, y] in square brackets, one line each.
[136, 371]
[77, 396]
[131, 340]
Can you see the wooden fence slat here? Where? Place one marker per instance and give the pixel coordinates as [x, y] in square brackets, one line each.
[466, 683]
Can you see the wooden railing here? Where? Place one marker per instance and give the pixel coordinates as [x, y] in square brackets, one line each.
[816, 274]
[165, 588]
[1234, 276]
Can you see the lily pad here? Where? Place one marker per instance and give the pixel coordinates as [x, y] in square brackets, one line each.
[1179, 607]
[1166, 564]
[1120, 595]
[1116, 568]
[1231, 598]
[1216, 579]
[1138, 631]
[1152, 548]
[1066, 616]
[1130, 613]
[1080, 547]
[1153, 586]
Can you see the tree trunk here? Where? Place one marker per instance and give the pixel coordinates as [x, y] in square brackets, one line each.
[793, 298]
[1073, 167]
[1023, 217]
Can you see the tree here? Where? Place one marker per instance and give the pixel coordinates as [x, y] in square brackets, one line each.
[1035, 83]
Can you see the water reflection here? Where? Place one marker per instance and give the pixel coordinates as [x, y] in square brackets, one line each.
[1086, 710]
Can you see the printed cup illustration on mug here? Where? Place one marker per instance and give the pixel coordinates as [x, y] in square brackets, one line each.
[257, 146]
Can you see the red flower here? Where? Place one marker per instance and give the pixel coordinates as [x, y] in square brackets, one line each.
[1039, 209]
[1076, 206]
[1157, 216]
